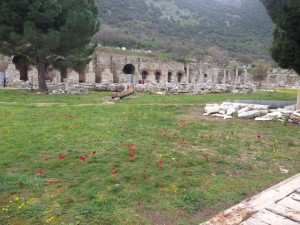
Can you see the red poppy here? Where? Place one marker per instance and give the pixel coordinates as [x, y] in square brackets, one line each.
[21, 184]
[62, 157]
[46, 159]
[144, 177]
[131, 155]
[68, 200]
[139, 204]
[82, 158]
[144, 171]
[114, 170]
[175, 135]
[40, 172]
[135, 179]
[94, 152]
[159, 162]
[206, 158]
[258, 136]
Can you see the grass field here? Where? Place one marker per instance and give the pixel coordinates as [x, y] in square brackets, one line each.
[149, 159]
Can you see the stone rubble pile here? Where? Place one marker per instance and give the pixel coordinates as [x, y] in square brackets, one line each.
[230, 110]
[174, 88]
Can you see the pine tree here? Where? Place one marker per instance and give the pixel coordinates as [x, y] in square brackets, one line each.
[48, 33]
[285, 49]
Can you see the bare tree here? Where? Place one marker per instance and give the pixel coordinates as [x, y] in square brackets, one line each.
[218, 56]
[260, 71]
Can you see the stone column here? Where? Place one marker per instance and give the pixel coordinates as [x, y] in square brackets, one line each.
[246, 76]
[188, 73]
[236, 76]
[277, 80]
[224, 77]
[298, 102]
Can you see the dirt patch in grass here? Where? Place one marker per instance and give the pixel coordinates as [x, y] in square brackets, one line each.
[166, 218]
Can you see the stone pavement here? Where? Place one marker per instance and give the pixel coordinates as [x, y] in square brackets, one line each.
[278, 205]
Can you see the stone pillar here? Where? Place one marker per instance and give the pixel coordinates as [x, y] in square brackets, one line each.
[188, 73]
[277, 80]
[236, 75]
[298, 102]
[164, 75]
[246, 76]
[224, 77]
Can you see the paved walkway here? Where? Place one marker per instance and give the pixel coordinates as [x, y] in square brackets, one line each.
[278, 205]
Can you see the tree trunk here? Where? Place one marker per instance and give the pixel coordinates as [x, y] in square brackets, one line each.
[41, 67]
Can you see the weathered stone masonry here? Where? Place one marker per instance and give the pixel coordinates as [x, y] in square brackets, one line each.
[108, 68]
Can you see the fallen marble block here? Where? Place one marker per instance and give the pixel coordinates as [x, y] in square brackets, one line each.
[249, 114]
[263, 118]
[211, 110]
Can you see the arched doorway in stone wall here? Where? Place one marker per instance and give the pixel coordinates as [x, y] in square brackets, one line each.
[98, 77]
[145, 75]
[169, 77]
[82, 78]
[157, 76]
[21, 65]
[179, 77]
[205, 78]
[63, 74]
[129, 70]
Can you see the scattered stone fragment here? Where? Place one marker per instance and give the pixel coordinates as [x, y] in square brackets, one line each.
[263, 118]
[212, 110]
[249, 114]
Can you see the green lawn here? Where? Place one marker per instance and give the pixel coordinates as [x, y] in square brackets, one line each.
[149, 159]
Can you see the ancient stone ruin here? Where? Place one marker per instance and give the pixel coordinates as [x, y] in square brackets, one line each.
[115, 72]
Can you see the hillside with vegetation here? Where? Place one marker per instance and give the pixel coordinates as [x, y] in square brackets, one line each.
[239, 26]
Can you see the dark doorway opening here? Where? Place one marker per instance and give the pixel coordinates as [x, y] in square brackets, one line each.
[157, 77]
[144, 75]
[169, 77]
[179, 77]
[129, 69]
[205, 78]
[22, 64]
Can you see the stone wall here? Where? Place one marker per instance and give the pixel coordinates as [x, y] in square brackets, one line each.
[106, 69]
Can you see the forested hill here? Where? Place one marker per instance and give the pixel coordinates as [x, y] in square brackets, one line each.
[241, 26]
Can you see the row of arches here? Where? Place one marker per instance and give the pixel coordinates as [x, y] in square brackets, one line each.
[129, 69]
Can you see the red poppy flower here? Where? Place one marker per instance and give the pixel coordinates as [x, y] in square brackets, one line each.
[175, 135]
[135, 179]
[94, 152]
[21, 184]
[139, 204]
[114, 170]
[144, 171]
[206, 158]
[68, 200]
[40, 172]
[46, 159]
[144, 177]
[62, 157]
[82, 158]
[258, 136]
[131, 155]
